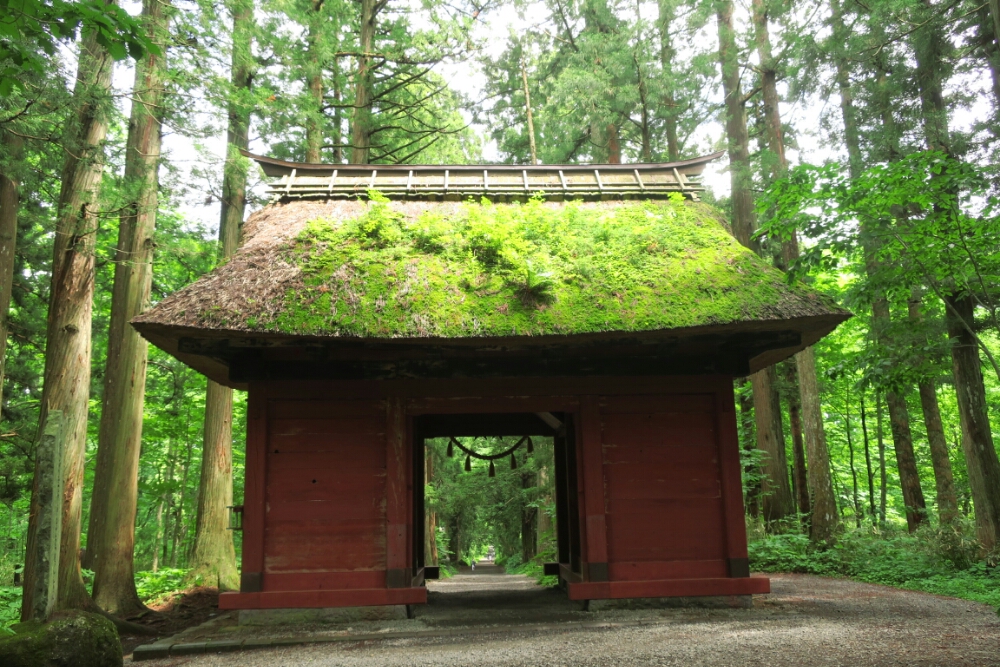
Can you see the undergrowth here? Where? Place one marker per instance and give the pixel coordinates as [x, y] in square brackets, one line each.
[942, 561]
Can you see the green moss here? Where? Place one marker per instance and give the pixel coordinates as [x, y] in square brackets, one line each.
[76, 639]
[527, 269]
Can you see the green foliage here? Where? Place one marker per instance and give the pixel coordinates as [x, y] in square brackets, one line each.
[10, 608]
[31, 30]
[153, 586]
[482, 269]
[940, 561]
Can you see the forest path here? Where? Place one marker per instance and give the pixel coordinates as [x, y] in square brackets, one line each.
[488, 595]
[806, 621]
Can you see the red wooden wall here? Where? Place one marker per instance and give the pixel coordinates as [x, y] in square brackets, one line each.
[664, 495]
[328, 503]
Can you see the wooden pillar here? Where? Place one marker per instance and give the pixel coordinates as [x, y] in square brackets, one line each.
[592, 489]
[397, 490]
[732, 484]
[255, 475]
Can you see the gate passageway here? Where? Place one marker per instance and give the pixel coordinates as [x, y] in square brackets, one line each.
[489, 595]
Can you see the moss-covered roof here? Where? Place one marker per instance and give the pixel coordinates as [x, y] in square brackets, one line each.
[415, 270]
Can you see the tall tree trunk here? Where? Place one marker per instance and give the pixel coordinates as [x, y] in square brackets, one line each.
[748, 432]
[801, 484]
[929, 45]
[68, 332]
[529, 521]
[825, 516]
[854, 471]
[667, 16]
[364, 84]
[980, 453]
[868, 459]
[314, 79]
[805, 360]
[770, 439]
[111, 532]
[947, 501]
[9, 202]
[527, 109]
[882, 472]
[906, 460]
[213, 557]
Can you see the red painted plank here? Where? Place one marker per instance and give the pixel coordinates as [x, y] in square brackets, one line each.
[732, 483]
[340, 426]
[351, 486]
[661, 455]
[669, 588]
[317, 581]
[324, 547]
[306, 409]
[681, 569]
[466, 405]
[354, 445]
[344, 459]
[673, 529]
[494, 387]
[639, 480]
[333, 512]
[592, 462]
[299, 599]
[255, 480]
[674, 404]
[660, 428]
[397, 491]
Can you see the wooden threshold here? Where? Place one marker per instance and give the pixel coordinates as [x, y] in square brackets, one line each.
[361, 597]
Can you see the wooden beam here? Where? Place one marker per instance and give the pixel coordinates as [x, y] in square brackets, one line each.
[732, 485]
[254, 507]
[592, 487]
[397, 489]
[369, 597]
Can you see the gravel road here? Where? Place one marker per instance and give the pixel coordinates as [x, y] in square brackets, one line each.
[805, 622]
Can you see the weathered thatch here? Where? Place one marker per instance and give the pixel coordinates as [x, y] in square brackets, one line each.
[457, 270]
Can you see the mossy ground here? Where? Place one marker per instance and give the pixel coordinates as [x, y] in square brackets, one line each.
[74, 639]
[526, 269]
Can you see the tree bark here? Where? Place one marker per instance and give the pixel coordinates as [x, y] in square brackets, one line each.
[667, 16]
[68, 333]
[980, 453]
[314, 80]
[527, 109]
[770, 439]
[529, 521]
[882, 472]
[364, 83]
[111, 532]
[801, 485]
[776, 496]
[947, 500]
[906, 460]
[9, 202]
[868, 459]
[825, 516]
[213, 557]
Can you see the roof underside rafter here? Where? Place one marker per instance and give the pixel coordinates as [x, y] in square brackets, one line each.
[495, 182]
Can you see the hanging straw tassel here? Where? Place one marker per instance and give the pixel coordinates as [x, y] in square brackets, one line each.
[531, 446]
[513, 462]
[493, 471]
[451, 449]
[468, 464]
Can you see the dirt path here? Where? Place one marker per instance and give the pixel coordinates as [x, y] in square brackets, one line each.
[479, 619]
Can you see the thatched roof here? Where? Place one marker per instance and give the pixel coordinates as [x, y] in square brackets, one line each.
[460, 271]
